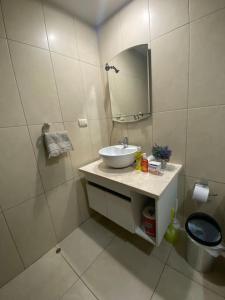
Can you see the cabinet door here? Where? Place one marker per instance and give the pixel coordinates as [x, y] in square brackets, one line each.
[97, 199]
[119, 211]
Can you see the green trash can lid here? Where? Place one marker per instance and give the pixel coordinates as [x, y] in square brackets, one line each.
[203, 229]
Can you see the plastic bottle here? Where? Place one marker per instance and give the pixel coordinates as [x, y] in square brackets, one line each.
[144, 163]
[138, 158]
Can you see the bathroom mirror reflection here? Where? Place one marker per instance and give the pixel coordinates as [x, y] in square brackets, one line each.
[129, 84]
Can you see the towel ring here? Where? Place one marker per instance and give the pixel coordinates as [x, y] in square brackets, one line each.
[45, 127]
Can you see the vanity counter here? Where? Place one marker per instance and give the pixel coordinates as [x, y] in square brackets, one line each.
[146, 183]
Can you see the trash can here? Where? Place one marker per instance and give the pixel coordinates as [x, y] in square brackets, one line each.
[203, 234]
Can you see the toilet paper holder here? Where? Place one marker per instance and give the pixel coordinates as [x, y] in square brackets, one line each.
[205, 183]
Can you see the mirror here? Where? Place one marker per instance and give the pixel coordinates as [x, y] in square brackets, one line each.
[129, 88]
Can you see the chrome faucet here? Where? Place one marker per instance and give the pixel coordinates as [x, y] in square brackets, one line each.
[124, 142]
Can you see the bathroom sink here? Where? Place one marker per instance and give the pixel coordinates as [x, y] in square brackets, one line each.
[118, 156]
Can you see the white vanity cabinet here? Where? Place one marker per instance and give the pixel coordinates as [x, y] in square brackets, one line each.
[121, 195]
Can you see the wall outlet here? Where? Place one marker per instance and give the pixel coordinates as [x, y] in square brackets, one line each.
[82, 122]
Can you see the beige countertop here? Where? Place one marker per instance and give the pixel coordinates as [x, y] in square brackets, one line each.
[148, 183]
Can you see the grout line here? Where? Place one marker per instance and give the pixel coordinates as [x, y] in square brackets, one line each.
[92, 292]
[187, 114]
[157, 284]
[208, 14]
[14, 242]
[170, 31]
[94, 260]
[189, 22]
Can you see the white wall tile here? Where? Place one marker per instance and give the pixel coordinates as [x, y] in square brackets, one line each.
[87, 43]
[2, 27]
[99, 135]
[53, 171]
[169, 129]
[11, 111]
[19, 178]
[60, 30]
[11, 264]
[207, 61]
[31, 227]
[110, 39]
[170, 70]
[167, 15]
[95, 102]
[81, 141]
[24, 22]
[70, 87]
[200, 8]
[36, 83]
[140, 134]
[134, 19]
[64, 209]
[206, 144]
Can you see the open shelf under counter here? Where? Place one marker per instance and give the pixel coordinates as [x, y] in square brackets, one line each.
[122, 194]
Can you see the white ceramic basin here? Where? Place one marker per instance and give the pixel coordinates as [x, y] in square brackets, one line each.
[117, 156]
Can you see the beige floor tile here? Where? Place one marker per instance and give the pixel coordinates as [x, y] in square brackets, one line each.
[161, 252]
[82, 246]
[174, 286]
[124, 272]
[78, 292]
[47, 279]
[214, 280]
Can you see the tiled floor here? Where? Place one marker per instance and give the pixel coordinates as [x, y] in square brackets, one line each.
[101, 261]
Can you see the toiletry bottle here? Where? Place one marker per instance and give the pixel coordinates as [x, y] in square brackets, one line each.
[144, 163]
[138, 158]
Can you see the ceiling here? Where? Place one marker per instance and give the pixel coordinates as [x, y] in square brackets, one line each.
[93, 12]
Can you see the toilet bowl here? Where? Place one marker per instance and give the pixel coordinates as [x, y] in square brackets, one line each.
[204, 241]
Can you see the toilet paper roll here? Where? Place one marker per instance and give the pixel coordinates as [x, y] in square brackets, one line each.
[200, 193]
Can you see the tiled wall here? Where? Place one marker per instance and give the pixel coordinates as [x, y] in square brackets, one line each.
[49, 72]
[187, 40]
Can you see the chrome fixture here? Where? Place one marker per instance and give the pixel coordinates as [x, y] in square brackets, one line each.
[108, 67]
[124, 142]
